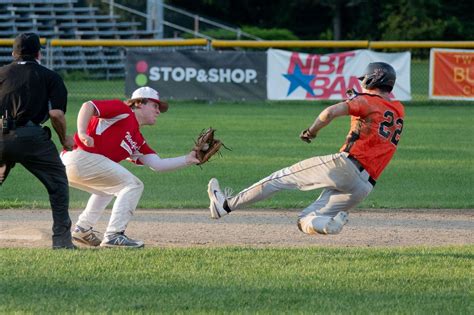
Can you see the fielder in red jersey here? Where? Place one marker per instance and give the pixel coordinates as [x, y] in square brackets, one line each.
[109, 132]
[123, 141]
[346, 177]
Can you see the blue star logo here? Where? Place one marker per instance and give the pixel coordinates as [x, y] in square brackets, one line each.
[297, 79]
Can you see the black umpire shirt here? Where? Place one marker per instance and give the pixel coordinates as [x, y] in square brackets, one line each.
[29, 91]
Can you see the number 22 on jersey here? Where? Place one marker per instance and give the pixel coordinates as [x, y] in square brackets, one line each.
[391, 127]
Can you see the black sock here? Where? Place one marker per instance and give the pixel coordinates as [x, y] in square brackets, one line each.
[226, 207]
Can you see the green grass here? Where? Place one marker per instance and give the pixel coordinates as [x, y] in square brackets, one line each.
[432, 169]
[238, 280]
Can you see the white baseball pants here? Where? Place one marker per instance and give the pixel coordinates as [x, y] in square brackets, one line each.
[104, 179]
[344, 187]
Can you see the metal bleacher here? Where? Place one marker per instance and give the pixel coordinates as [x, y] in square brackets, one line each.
[65, 19]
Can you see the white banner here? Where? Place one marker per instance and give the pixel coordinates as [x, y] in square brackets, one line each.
[298, 76]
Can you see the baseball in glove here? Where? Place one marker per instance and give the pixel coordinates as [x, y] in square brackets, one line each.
[206, 145]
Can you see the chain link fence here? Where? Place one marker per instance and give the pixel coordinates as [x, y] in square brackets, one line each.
[99, 71]
[109, 82]
[105, 78]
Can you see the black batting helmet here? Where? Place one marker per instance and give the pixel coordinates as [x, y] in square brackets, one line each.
[378, 75]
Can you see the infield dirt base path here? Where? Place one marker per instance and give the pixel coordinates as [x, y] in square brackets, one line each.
[257, 228]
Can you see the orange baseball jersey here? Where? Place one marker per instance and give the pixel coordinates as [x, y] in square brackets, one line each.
[376, 125]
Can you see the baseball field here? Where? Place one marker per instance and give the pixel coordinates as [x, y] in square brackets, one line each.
[408, 248]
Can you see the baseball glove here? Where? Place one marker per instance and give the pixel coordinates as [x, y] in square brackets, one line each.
[206, 145]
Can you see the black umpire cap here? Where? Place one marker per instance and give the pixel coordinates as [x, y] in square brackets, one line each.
[26, 44]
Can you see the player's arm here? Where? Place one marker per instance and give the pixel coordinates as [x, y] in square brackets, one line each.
[83, 118]
[58, 121]
[158, 164]
[323, 119]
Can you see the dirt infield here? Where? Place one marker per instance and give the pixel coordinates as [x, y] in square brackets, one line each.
[258, 228]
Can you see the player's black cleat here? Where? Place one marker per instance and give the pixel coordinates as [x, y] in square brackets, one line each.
[63, 241]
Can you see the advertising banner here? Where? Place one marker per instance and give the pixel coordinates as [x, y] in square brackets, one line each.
[198, 75]
[298, 76]
[452, 74]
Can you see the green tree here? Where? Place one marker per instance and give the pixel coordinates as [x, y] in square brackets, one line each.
[418, 20]
[337, 8]
[330, 19]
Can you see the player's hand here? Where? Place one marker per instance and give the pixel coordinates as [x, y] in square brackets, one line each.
[68, 143]
[191, 158]
[87, 140]
[307, 136]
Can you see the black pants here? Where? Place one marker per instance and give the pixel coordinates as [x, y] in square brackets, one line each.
[32, 147]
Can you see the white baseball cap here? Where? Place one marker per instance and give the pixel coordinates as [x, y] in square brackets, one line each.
[151, 94]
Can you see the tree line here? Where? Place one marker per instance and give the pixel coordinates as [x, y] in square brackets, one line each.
[337, 19]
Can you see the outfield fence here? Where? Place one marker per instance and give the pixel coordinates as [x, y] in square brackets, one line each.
[96, 68]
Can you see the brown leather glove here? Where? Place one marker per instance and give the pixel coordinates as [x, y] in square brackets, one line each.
[206, 145]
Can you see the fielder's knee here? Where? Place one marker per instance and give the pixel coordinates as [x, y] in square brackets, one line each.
[312, 224]
[139, 185]
[135, 184]
[133, 188]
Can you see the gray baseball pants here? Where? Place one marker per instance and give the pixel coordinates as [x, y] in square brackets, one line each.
[344, 185]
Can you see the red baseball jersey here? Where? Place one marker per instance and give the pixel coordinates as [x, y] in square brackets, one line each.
[376, 125]
[116, 132]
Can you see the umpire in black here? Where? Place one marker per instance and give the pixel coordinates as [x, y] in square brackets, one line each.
[30, 94]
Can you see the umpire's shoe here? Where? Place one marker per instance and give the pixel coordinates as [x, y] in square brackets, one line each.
[120, 240]
[63, 241]
[85, 236]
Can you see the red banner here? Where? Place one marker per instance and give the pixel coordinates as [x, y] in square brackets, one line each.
[452, 74]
